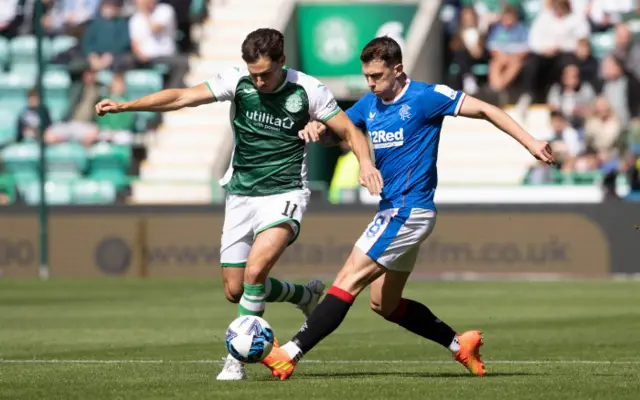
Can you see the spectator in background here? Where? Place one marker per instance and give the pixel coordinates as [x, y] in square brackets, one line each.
[70, 16]
[626, 50]
[10, 18]
[29, 121]
[571, 96]
[467, 47]
[588, 64]
[620, 89]
[565, 142]
[488, 11]
[153, 39]
[73, 131]
[602, 133]
[182, 10]
[553, 40]
[117, 128]
[508, 45]
[604, 14]
[106, 43]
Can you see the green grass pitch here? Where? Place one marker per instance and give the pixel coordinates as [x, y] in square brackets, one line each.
[162, 339]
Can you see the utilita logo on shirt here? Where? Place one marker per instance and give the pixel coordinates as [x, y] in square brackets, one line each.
[268, 121]
[383, 140]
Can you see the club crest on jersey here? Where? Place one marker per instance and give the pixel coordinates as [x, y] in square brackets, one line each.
[293, 103]
[384, 140]
[405, 112]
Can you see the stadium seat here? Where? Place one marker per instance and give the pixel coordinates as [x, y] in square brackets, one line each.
[56, 192]
[8, 186]
[530, 9]
[66, 161]
[62, 43]
[24, 53]
[8, 126]
[93, 192]
[110, 163]
[602, 43]
[142, 82]
[13, 90]
[56, 84]
[104, 77]
[21, 160]
[4, 53]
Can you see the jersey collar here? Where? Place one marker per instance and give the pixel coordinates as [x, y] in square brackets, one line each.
[399, 96]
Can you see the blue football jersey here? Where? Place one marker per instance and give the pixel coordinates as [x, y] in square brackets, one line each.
[405, 134]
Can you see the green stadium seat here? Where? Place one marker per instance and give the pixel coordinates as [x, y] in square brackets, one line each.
[21, 160]
[110, 163]
[93, 192]
[66, 161]
[531, 8]
[14, 88]
[56, 192]
[602, 43]
[24, 53]
[4, 53]
[142, 82]
[8, 126]
[8, 187]
[104, 77]
[56, 84]
[62, 43]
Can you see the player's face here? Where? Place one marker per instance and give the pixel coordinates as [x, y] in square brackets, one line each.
[381, 78]
[266, 74]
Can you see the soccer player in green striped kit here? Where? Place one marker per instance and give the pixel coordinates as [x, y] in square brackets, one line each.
[266, 183]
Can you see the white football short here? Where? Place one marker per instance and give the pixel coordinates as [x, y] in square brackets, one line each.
[394, 237]
[246, 216]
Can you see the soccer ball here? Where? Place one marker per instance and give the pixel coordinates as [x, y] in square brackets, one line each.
[249, 339]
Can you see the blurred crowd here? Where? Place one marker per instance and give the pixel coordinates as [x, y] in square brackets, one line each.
[581, 58]
[112, 37]
[120, 49]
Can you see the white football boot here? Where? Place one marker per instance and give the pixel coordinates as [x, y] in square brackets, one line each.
[233, 370]
[317, 289]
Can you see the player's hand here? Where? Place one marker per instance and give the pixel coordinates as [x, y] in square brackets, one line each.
[541, 150]
[107, 107]
[312, 131]
[371, 178]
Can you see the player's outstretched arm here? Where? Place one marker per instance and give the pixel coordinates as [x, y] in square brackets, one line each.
[343, 127]
[164, 100]
[475, 108]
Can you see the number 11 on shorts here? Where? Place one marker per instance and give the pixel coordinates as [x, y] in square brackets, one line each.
[286, 211]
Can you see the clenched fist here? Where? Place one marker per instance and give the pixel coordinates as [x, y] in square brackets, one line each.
[107, 106]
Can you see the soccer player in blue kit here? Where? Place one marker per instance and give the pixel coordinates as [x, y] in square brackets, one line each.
[404, 119]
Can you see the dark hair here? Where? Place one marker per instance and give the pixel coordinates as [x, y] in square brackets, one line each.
[382, 48]
[557, 114]
[510, 9]
[264, 42]
[33, 92]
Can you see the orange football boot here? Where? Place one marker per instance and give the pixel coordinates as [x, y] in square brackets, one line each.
[469, 353]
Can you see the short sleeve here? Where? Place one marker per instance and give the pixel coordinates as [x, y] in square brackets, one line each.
[223, 85]
[357, 112]
[441, 101]
[166, 16]
[322, 105]
[134, 28]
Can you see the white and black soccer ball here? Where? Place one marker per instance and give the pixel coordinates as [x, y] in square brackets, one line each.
[249, 339]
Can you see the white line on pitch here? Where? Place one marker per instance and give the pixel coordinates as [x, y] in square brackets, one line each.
[413, 362]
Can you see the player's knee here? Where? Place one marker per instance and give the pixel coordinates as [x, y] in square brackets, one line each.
[233, 293]
[255, 273]
[379, 308]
